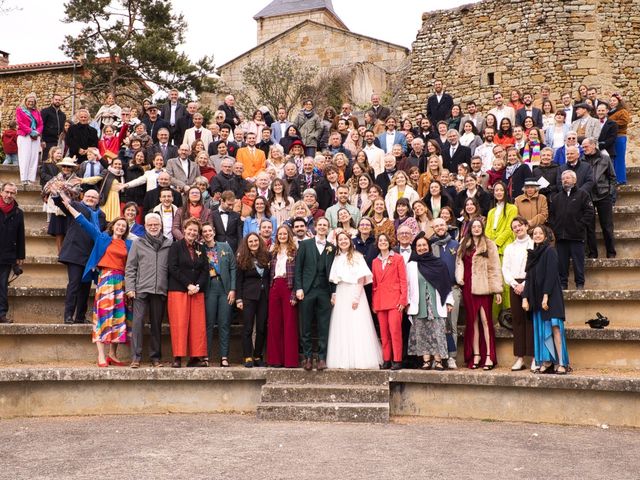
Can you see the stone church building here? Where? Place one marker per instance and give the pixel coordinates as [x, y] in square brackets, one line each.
[311, 30]
[493, 45]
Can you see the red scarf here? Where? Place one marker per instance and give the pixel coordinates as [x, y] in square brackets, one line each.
[247, 201]
[6, 207]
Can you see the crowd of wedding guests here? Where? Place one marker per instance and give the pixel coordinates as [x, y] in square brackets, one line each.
[362, 240]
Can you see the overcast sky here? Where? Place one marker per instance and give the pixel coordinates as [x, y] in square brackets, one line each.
[224, 29]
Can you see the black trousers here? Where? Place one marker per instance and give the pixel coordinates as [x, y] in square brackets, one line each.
[254, 312]
[5, 271]
[574, 250]
[157, 306]
[522, 327]
[77, 298]
[604, 208]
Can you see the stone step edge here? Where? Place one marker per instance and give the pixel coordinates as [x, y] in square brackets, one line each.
[630, 334]
[324, 386]
[507, 379]
[324, 405]
[590, 295]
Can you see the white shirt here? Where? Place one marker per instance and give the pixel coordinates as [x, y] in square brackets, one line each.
[172, 120]
[485, 152]
[185, 166]
[514, 260]
[281, 265]
[283, 129]
[375, 156]
[320, 246]
[167, 222]
[568, 119]
[452, 150]
[405, 252]
[224, 218]
[391, 137]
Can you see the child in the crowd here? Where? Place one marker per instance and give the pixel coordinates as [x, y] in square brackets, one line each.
[10, 144]
[495, 173]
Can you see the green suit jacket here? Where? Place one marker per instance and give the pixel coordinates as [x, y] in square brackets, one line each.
[307, 261]
[227, 263]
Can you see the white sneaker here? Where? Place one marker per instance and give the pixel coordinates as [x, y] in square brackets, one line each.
[451, 363]
[534, 366]
[519, 365]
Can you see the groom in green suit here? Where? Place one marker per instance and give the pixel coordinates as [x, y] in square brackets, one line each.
[313, 290]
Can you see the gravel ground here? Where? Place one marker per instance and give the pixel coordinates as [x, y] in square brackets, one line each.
[240, 446]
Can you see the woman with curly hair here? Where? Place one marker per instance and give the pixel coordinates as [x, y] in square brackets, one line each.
[252, 295]
[282, 334]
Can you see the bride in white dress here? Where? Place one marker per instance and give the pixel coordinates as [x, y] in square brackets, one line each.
[353, 342]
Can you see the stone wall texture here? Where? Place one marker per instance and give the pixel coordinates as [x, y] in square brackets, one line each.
[14, 86]
[272, 26]
[370, 60]
[524, 44]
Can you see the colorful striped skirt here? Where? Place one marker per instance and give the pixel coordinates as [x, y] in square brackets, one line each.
[111, 314]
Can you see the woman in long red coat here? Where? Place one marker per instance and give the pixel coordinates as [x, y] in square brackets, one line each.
[389, 300]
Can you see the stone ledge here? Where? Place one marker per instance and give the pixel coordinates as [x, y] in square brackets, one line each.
[626, 209]
[84, 374]
[504, 378]
[611, 295]
[611, 262]
[42, 260]
[628, 188]
[578, 333]
[74, 329]
[622, 235]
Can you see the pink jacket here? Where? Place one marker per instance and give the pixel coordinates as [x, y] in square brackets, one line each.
[24, 122]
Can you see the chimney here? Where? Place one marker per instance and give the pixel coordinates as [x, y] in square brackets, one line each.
[4, 59]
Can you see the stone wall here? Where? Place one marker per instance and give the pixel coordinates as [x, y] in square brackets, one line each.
[370, 60]
[272, 26]
[494, 45]
[14, 86]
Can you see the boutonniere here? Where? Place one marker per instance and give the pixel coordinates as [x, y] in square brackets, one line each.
[452, 251]
[198, 252]
[329, 249]
[223, 253]
[388, 261]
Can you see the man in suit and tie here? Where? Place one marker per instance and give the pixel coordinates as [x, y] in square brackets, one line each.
[185, 122]
[473, 116]
[567, 106]
[592, 94]
[231, 117]
[381, 113]
[252, 158]
[162, 146]
[198, 132]
[183, 170]
[392, 137]
[529, 111]
[453, 153]
[439, 104]
[227, 223]
[608, 131]
[173, 111]
[152, 197]
[585, 125]
[280, 126]
[314, 291]
[232, 147]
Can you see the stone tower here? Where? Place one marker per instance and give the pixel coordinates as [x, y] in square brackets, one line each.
[280, 15]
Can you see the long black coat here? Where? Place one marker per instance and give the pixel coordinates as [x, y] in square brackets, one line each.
[544, 278]
[12, 236]
[569, 215]
[437, 111]
[249, 283]
[77, 244]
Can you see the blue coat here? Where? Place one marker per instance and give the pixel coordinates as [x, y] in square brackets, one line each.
[77, 243]
[399, 139]
[101, 240]
[251, 225]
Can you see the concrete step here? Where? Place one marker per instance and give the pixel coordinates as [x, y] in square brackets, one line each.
[622, 307]
[9, 173]
[625, 217]
[627, 243]
[325, 412]
[324, 393]
[327, 377]
[612, 348]
[60, 344]
[38, 242]
[628, 195]
[610, 273]
[588, 397]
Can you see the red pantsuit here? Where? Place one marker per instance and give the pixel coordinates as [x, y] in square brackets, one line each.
[282, 326]
[187, 323]
[390, 291]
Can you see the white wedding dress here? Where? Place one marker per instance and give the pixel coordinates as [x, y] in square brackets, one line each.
[353, 342]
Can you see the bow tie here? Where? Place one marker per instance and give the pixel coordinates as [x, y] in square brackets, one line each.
[321, 243]
[223, 212]
[405, 250]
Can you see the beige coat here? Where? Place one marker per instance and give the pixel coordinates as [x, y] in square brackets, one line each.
[487, 275]
[534, 209]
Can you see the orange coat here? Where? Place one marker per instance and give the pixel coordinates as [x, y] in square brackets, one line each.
[390, 284]
[253, 164]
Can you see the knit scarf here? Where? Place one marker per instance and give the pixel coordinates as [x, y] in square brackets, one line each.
[531, 153]
[155, 241]
[247, 201]
[534, 255]
[440, 243]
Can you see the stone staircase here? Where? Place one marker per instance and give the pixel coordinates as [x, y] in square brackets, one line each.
[331, 395]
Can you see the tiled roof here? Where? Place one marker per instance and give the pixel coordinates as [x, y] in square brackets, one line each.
[38, 66]
[285, 7]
